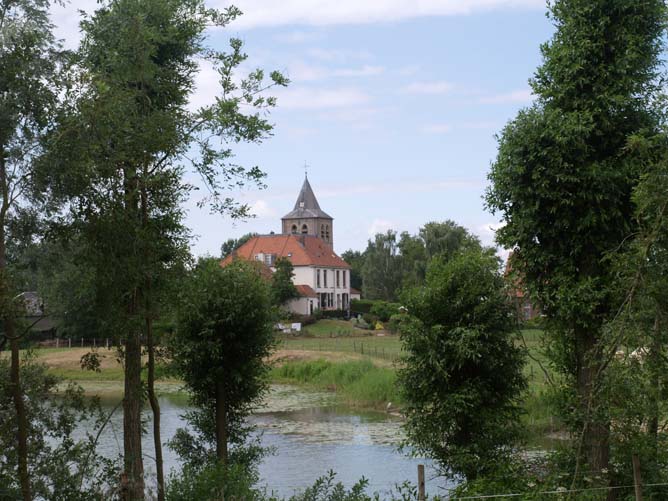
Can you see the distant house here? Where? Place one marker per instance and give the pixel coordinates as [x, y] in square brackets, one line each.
[526, 309]
[322, 278]
[41, 325]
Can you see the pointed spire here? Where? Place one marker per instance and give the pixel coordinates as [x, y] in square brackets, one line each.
[306, 205]
[306, 198]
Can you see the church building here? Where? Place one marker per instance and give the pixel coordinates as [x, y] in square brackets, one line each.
[322, 278]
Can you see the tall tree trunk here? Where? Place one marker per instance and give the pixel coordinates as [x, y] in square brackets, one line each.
[148, 314]
[10, 333]
[596, 435]
[654, 362]
[132, 400]
[155, 408]
[221, 423]
[133, 463]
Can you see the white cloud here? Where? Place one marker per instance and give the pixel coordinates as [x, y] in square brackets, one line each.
[207, 86]
[261, 209]
[518, 96]
[298, 37]
[307, 98]
[66, 20]
[299, 71]
[328, 12]
[440, 87]
[380, 226]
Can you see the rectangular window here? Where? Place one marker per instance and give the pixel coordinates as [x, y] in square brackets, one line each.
[317, 278]
[324, 274]
[344, 278]
[338, 282]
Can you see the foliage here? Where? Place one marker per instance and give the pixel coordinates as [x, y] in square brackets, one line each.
[356, 261]
[390, 263]
[62, 466]
[282, 287]
[382, 271]
[358, 382]
[211, 483]
[361, 305]
[224, 333]
[462, 376]
[384, 310]
[563, 182]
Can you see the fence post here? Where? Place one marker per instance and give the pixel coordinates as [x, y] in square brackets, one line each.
[69, 343]
[421, 489]
[94, 343]
[107, 343]
[82, 342]
[57, 343]
[637, 481]
[362, 348]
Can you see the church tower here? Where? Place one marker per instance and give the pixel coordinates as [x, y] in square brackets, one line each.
[307, 218]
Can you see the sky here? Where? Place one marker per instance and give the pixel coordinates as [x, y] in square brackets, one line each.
[392, 105]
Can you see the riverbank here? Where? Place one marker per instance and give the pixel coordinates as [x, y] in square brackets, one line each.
[360, 370]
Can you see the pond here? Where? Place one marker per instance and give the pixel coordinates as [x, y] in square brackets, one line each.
[310, 435]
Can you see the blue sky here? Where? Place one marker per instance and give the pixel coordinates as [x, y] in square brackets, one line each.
[393, 105]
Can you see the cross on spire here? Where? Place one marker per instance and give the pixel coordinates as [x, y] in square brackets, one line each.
[306, 166]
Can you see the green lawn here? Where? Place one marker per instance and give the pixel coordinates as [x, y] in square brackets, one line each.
[330, 327]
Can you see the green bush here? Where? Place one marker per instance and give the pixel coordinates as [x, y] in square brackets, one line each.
[394, 324]
[534, 323]
[361, 306]
[332, 313]
[384, 310]
[211, 483]
[370, 319]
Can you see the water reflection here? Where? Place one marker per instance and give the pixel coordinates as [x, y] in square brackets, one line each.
[310, 434]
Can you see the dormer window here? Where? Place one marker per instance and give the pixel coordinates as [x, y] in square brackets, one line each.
[301, 205]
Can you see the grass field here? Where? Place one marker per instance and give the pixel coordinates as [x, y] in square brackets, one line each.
[381, 347]
[359, 365]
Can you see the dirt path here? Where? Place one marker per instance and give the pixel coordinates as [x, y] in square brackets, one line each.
[69, 359]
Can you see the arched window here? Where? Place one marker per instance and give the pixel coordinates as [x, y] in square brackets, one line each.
[327, 233]
[294, 228]
[322, 231]
[304, 229]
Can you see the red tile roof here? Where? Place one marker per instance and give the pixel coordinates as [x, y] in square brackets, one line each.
[355, 291]
[305, 291]
[302, 250]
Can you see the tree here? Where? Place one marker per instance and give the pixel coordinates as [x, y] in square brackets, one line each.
[282, 287]
[446, 239]
[29, 87]
[382, 272]
[356, 261]
[224, 333]
[462, 374]
[119, 159]
[563, 180]
[232, 244]
[62, 465]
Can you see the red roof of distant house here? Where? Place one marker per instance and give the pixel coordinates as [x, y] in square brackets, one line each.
[301, 250]
[305, 291]
[355, 291]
